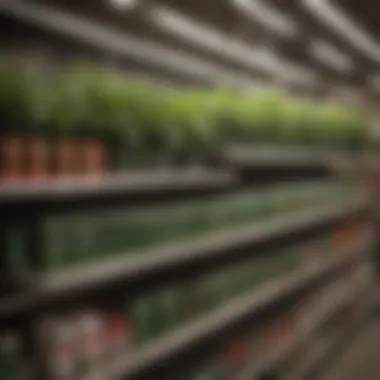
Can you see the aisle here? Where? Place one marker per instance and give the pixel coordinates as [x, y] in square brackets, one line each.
[360, 361]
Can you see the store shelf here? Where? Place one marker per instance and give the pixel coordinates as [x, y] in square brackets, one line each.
[210, 250]
[188, 339]
[360, 360]
[266, 159]
[115, 189]
[322, 358]
[172, 262]
[270, 362]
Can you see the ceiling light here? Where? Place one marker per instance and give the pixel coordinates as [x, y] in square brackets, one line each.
[331, 56]
[204, 36]
[268, 17]
[122, 43]
[124, 4]
[288, 71]
[335, 19]
[198, 34]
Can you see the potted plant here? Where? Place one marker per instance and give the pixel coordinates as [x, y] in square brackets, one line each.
[148, 111]
[356, 129]
[221, 121]
[15, 111]
[114, 109]
[192, 124]
[66, 112]
[37, 143]
[297, 126]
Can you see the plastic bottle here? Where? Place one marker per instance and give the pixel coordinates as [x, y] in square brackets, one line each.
[93, 345]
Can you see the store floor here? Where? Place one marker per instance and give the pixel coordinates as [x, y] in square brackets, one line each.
[361, 359]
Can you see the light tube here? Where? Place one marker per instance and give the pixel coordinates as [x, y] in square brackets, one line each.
[267, 17]
[330, 56]
[343, 25]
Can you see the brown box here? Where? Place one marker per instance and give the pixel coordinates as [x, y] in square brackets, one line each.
[11, 159]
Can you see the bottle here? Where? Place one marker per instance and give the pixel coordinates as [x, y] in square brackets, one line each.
[93, 345]
[118, 342]
[58, 336]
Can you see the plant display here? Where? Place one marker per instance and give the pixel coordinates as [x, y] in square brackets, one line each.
[143, 120]
[16, 98]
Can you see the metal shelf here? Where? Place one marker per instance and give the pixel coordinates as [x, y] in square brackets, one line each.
[128, 188]
[322, 358]
[259, 156]
[271, 361]
[274, 162]
[188, 339]
[172, 262]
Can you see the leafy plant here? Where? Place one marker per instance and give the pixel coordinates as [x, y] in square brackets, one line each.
[16, 97]
[137, 116]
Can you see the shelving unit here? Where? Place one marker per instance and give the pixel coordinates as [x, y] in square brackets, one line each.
[272, 294]
[176, 262]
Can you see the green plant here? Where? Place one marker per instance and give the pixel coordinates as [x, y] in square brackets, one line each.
[298, 122]
[16, 96]
[190, 120]
[134, 115]
[261, 113]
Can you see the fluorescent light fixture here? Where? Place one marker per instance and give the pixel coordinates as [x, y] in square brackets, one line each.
[206, 37]
[203, 36]
[287, 71]
[122, 43]
[331, 56]
[124, 4]
[342, 24]
[268, 17]
[374, 82]
[299, 75]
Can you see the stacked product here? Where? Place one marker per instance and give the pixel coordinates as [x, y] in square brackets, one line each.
[240, 357]
[86, 344]
[92, 344]
[81, 237]
[158, 312]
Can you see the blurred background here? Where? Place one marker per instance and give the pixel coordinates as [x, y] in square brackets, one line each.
[188, 189]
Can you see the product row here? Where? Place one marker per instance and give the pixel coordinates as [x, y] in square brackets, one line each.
[157, 312]
[94, 345]
[135, 122]
[34, 159]
[241, 357]
[84, 236]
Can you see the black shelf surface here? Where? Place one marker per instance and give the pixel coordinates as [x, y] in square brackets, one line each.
[115, 189]
[173, 262]
[266, 156]
[188, 339]
[273, 163]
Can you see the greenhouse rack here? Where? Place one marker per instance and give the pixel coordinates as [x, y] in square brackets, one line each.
[171, 263]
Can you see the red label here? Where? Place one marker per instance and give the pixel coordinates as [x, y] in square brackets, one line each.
[236, 354]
